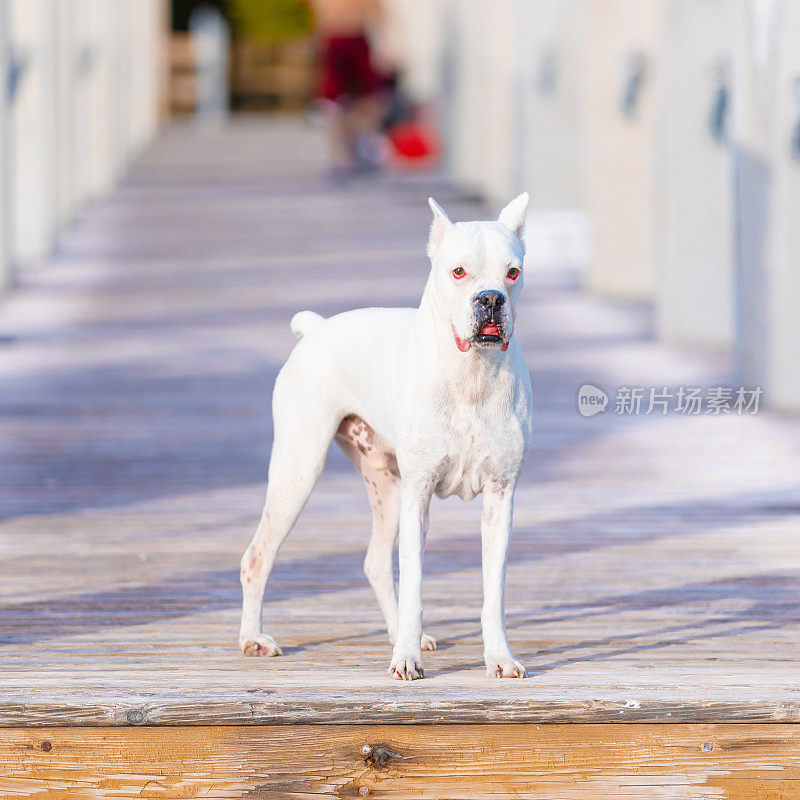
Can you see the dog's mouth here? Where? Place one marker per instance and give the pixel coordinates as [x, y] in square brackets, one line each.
[489, 333]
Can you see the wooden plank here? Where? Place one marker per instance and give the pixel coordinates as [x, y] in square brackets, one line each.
[590, 762]
[465, 705]
[653, 576]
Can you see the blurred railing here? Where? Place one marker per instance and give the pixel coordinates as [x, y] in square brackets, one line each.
[672, 125]
[675, 126]
[81, 91]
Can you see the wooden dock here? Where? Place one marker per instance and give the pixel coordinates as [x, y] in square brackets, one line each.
[654, 578]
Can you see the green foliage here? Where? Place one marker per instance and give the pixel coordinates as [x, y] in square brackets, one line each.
[271, 20]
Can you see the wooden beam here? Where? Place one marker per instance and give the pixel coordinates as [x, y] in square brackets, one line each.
[590, 762]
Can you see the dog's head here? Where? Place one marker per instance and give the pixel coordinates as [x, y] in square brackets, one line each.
[477, 273]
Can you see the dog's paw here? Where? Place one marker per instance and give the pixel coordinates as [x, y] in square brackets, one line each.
[406, 667]
[261, 644]
[427, 642]
[505, 667]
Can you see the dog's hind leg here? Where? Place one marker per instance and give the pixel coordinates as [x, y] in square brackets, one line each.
[378, 467]
[303, 433]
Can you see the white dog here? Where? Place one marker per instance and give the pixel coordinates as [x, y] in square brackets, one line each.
[422, 400]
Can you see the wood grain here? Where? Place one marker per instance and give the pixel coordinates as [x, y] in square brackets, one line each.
[590, 762]
[655, 563]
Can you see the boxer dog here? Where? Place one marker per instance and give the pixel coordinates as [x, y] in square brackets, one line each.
[422, 400]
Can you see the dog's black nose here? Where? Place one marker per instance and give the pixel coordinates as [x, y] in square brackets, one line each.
[490, 299]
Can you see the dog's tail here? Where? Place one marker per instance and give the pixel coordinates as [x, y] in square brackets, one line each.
[305, 321]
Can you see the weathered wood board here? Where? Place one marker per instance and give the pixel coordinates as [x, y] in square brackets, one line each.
[654, 573]
[440, 762]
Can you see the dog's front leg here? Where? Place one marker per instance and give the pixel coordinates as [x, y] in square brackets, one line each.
[498, 506]
[407, 656]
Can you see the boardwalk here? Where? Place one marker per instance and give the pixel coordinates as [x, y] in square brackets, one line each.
[655, 566]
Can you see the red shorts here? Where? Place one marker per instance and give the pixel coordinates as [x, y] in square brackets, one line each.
[346, 70]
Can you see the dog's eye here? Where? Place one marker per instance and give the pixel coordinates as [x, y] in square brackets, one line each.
[459, 273]
[513, 273]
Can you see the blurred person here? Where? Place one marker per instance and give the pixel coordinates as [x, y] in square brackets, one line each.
[351, 85]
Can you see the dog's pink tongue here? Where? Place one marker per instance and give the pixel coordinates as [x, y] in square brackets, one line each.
[490, 329]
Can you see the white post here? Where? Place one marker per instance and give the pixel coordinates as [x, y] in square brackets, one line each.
[145, 55]
[6, 274]
[211, 42]
[101, 62]
[784, 358]
[69, 120]
[549, 41]
[414, 39]
[621, 76]
[467, 65]
[80, 62]
[694, 178]
[501, 110]
[482, 119]
[33, 129]
[768, 199]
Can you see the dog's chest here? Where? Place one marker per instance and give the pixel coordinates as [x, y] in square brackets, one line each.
[479, 446]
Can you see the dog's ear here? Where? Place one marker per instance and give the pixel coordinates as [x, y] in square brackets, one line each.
[513, 215]
[439, 227]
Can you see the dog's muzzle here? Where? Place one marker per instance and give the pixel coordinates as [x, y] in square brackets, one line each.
[489, 318]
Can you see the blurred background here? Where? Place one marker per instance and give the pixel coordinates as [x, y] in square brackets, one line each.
[659, 139]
